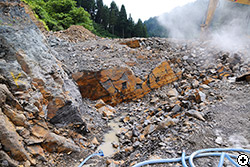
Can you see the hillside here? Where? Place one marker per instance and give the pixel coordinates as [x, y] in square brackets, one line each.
[100, 19]
[64, 95]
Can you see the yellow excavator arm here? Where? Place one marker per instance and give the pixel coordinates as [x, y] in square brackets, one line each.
[246, 2]
[211, 10]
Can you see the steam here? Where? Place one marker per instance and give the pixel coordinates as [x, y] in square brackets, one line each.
[184, 22]
[232, 34]
[229, 30]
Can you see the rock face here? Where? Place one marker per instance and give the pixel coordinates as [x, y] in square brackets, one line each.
[29, 66]
[119, 84]
[34, 88]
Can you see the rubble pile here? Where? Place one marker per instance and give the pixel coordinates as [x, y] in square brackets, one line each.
[75, 34]
[167, 118]
[59, 93]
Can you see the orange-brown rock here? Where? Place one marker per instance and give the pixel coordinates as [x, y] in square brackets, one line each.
[36, 150]
[89, 85]
[10, 139]
[54, 105]
[56, 143]
[223, 72]
[132, 44]
[107, 111]
[118, 84]
[100, 103]
[39, 131]
[21, 60]
[17, 118]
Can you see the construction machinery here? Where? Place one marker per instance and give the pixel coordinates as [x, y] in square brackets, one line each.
[211, 10]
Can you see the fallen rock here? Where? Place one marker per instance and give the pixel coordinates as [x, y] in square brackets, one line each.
[118, 84]
[107, 111]
[132, 44]
[75, 33]
[166, 123]
[56, 143]
[6, 161]
[195, 114]
[39, 131]
[100, 103]
[67, 114]
[129, 149]
[36, 150]
[95, 141]
[17, 118]
[6, 96]
[172, 93]
[244, 77]
[202, 96]
[204, 86]
[10, 139]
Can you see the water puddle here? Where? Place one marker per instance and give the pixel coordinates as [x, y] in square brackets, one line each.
[110, 138]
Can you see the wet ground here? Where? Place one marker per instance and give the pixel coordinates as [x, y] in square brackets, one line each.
[227, 125]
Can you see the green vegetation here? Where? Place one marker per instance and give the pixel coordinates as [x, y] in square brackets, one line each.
[60, 14]
[92, 14]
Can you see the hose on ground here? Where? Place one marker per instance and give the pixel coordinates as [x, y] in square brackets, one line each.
[100, 153]
[218, 152]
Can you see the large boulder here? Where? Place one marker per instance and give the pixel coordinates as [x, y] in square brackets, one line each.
[118, 84]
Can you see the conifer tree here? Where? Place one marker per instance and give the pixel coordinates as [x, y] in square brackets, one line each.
[130, 27]
[113, 16]
[105, 17]
[123, 22]
[99, 6]
[88, 5]
[139, 29]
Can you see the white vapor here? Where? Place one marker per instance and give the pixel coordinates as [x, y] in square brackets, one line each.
[229, 30]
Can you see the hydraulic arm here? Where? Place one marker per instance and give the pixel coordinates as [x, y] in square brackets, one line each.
[211, 10]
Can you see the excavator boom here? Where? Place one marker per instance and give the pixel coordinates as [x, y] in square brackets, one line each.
[246, 2]
[210, 13]
[211, 10]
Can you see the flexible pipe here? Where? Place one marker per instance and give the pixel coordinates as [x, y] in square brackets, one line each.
[214, 149]
[100, 153]
[197, 154]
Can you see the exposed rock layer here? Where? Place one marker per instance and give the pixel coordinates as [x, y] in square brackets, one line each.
[119, 84]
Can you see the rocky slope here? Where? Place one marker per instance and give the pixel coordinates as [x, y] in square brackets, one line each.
[59, 91]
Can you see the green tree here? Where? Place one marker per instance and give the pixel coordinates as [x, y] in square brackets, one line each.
[105, 17]
[113, 16]
[122, 22]
[88, 5]
[60, 6]
[139, 29]
[99, 5]
[81, 17]
[130, 28]
[145, 34]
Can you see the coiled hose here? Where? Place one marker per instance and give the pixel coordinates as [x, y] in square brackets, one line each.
[100, 153]
[200, 153]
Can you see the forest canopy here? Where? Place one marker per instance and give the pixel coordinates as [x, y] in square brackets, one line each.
[103, 20]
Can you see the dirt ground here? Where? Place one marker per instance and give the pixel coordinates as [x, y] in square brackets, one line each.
[227, 126]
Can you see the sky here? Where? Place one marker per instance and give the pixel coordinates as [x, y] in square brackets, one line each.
[144, 9]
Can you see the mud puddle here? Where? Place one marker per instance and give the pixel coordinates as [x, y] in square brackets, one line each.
[110, 138]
